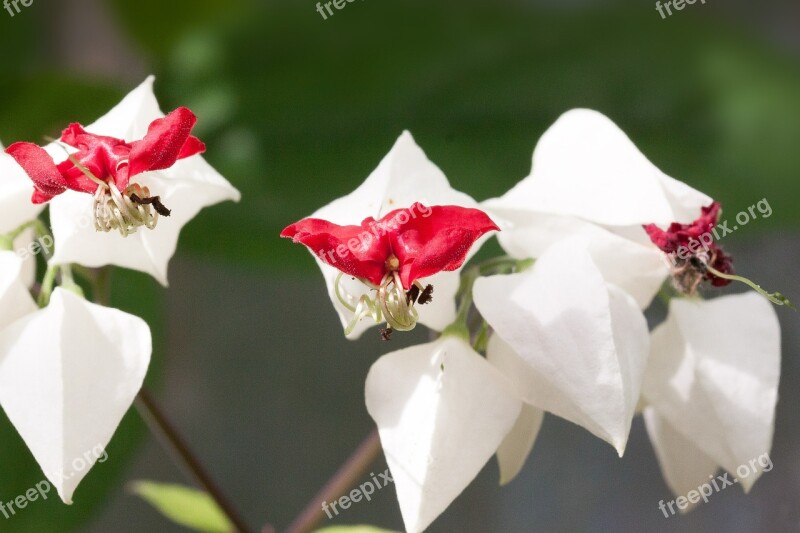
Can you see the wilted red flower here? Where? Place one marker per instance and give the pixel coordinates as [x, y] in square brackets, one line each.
[691, 248]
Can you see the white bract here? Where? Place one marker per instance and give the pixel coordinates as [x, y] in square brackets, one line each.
[403, 177]
[711, 387]
[442, 412]
[570, 343]
[68, 374]
[589, 180]
[15, 300]
[711, 379]
[16, 190]
[188, 186]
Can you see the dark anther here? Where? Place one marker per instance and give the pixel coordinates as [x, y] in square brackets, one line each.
[697, 263]
[386, 334]
[426, 296]
[412, 294]
[155, 201]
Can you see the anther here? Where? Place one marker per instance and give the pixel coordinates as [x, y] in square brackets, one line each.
[426, 296]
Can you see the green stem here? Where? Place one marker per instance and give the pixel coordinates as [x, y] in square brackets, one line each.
[482, 338]
[13, 235]
[68, 281]
[665, 293]
[497, 265]
[47, 285]
[774, 297]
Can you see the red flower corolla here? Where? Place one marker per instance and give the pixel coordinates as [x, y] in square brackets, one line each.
[109, 160]
[691, 248]
[392, 254]
[416, 242]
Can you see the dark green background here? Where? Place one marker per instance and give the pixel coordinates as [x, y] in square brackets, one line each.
[296, 111]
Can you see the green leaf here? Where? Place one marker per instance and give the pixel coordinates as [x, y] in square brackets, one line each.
[353, 529]
[183, 505]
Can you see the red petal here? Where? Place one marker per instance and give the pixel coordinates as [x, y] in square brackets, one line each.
[39, 166]
[75, 135]
[192, 146]
[677, 235]
[99, 154]
[429, 240]
[166, 141]
[351, 249]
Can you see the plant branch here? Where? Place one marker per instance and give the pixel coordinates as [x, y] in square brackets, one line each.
[168, 436]
[176, 446]
[342, 481]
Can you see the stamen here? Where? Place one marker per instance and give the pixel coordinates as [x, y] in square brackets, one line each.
[426, 296]
[412, 294]
[127, 211]
[156, 203]
[391, 303]
[774, 297]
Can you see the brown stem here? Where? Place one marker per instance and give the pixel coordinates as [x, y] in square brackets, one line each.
[172, 442]
[342, 481]
[175, 445]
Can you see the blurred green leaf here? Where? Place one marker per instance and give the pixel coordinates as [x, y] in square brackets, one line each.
[183, 505]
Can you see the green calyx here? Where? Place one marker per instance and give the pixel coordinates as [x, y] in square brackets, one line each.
[461, 325]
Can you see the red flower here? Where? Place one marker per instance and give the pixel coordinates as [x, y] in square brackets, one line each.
[692, 245]
[108, 159]
[411, 243]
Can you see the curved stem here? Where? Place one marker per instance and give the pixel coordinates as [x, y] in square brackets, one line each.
[47, 285]
[342, 481]
[172, 442]
[175, 445]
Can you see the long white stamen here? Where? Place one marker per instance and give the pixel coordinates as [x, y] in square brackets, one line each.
[115, 210]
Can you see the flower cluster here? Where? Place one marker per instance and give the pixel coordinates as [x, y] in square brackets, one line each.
[69, 368]
[556, 326]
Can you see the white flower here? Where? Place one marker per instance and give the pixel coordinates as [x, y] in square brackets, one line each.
[16, 207]
[570, 343]
[68, 374]
[585, 166]
[711, 386]
[589, 180]
[186, 187]
[442, 412]
[404, 176]
[711, 378]
[15, 300]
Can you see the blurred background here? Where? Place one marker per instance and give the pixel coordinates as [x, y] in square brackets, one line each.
[296, 110]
